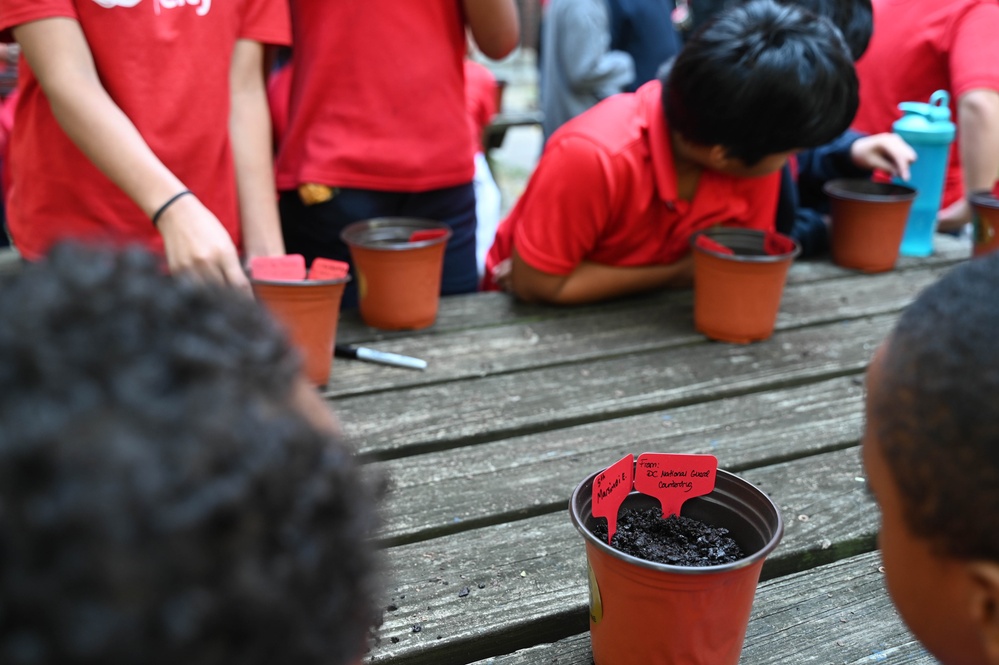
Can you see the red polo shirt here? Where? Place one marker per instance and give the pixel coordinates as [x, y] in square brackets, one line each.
[919, 47]
[605, 191]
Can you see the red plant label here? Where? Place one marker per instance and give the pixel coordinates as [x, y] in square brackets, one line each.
[290, 268]
[328, 269]
[428, 234]
[675, 478]
[610, 488]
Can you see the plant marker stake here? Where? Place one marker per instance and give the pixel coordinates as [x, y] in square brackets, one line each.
[428, 234]
[289, 268]
[675, 478]
[328, 269]
[610, 489]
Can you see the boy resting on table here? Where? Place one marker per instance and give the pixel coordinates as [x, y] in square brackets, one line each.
[931, 453]
[171, 489]
[621, 188]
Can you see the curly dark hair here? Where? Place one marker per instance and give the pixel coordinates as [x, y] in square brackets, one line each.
[163, 496]
[937, 423]
[762, 78]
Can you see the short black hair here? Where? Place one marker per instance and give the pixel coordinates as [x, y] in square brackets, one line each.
[854, 18]
[762, 78]
[936, 419]
[163, 497]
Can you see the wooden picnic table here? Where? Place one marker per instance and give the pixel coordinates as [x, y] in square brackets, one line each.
[520, 403]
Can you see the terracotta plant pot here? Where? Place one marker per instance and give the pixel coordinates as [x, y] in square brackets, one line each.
[985, 206]
[645, 612]
[398, 280]
[737, 296]
[310, 312]
[868, 222]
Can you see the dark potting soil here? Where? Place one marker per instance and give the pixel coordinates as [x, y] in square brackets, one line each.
[676, 540]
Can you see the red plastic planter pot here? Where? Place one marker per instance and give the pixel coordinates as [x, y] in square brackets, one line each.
[737, 296]
[986, 219]
[657, 614]
[398, 280]
[868, 222]
[310, 312]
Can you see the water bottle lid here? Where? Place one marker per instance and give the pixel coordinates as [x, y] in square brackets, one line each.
[930, 120]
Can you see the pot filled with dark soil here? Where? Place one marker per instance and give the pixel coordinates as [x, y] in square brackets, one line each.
[676, 591]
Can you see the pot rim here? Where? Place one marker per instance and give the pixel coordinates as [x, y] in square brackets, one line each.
[840, 189]
[744, 562]
[984, 198]
[744, 258]
[349, 234]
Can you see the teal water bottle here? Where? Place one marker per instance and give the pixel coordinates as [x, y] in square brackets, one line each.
[930, 132]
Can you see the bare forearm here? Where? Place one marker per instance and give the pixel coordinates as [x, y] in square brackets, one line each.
[250, 134]
[592, 282]
[978, 119]
[495, 26]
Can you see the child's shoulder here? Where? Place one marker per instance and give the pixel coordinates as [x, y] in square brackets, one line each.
[616, 124]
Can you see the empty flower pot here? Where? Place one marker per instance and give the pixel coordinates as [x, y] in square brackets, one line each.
[985, 206]
[738, 282]
[868, 222]
[398, 263]
[645, 612]
[310, 312]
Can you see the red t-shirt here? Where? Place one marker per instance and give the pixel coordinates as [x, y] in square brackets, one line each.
[166, 64]
[919, 47]
[481, 99]
[378, 96]
[605, 191]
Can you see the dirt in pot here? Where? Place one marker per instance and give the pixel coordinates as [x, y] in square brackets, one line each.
[676, 540]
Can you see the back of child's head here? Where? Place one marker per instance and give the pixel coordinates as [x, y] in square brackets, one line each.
[854, 18]
[762, 78]
[937, 422]
[165, 496]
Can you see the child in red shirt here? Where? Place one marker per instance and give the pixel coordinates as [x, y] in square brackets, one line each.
[134, 111]
[377, 125]
[621, 188]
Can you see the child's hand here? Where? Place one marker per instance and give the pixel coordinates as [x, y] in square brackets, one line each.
[196, 242]
[887, 152]
[501, 274]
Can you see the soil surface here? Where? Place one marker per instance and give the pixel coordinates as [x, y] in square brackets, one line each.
[677, 541]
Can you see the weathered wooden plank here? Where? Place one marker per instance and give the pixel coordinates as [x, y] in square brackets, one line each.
[451, 491]
[480, 310]
[657, 322]
[507, 405]
[837, 613]
[525, 579]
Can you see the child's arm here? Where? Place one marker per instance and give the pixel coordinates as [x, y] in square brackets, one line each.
[58, 54]
[250, 132]
[592, 282]
[495, 26]
[978, 142]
